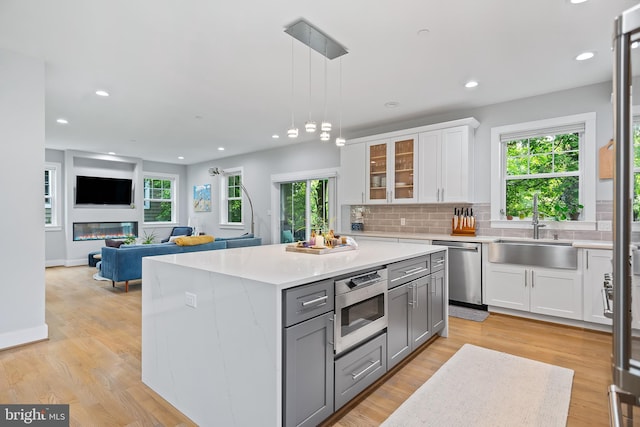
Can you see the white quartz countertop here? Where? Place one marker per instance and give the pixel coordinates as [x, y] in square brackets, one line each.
[272, 264]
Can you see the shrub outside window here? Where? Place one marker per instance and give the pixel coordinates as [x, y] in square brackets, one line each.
[231, 203]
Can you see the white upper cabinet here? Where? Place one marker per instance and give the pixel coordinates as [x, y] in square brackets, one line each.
[351, 188]
[446, 165]
[427, 164]
[391, 175]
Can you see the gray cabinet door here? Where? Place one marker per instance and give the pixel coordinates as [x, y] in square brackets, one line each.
[437, 302]
[398, 332]
[309, 375]
[420, 322]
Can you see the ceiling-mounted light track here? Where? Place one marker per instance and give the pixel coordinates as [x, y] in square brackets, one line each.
[315, 38]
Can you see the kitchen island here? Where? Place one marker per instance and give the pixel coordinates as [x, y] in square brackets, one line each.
[212, 324]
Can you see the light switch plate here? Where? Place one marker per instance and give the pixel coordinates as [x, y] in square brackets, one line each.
[190, 299]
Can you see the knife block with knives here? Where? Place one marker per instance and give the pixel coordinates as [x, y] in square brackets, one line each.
[463, 222]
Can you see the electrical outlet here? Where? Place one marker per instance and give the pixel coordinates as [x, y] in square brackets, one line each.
[604, 225]
[403, 221]
[190, 299]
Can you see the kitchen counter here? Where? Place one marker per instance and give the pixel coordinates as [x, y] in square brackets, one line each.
[212, 324]
[585, 244]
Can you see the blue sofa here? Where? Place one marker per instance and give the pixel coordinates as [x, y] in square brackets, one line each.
[125, 263]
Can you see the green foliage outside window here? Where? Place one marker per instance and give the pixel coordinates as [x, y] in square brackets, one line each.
[636, 174]
[234, 199]
[549, 166]
[158, 200]
[294, 205]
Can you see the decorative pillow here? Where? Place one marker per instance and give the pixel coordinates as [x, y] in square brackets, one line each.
[193, 240]
[173, 238]
[113, 243]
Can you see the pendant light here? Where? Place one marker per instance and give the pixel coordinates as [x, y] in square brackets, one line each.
[325, 126]
[340, 141]
[292, 132]
[310, 125]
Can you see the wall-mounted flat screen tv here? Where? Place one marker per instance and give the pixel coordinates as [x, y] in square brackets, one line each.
[94, 190]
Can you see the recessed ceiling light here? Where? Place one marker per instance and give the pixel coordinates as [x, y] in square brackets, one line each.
[220, 148]
[111, 153]
[181, 157]
[635, 45]
[102, 93]
[275, 136]
[391, 104]
[471, 84]
[577, 1]
[62, 121]
[424, 32]
[584, 56]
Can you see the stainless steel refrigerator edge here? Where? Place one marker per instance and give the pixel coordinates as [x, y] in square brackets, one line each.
[465, 271]
[625, 369]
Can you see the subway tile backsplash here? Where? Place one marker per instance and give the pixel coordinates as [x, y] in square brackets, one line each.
[436, 219]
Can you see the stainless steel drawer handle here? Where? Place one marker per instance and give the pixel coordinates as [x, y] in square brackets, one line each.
[413, 270]
[365, 370]
[314, 301]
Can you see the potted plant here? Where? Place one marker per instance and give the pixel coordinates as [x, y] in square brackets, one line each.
[574, 210]
[129, 240]
[148, 238]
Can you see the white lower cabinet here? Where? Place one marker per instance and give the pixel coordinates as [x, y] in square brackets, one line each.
[597, 262]
[547, 291]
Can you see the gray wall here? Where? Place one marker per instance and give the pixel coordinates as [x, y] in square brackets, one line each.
[258, 168]
[22, 289]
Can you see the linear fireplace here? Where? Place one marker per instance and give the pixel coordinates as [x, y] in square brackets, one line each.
[104, 230]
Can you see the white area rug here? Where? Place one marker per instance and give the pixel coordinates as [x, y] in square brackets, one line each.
[482, 387]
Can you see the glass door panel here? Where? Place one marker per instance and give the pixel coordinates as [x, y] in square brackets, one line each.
[378, 172]
[404, 161]
[304, 206]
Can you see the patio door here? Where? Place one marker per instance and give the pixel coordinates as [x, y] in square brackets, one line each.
[304, 206]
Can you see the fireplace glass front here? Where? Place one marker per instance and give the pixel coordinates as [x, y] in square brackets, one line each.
[104, 230]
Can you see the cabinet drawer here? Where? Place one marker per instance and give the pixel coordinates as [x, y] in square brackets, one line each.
[307, 301]
[360, 368]
[406, 271]
[437, 261]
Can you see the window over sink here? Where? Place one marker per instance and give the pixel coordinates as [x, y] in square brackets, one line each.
[554, 158]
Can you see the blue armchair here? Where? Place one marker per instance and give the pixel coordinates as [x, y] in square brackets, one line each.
[178, 231]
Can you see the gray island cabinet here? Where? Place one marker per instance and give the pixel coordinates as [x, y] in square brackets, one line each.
[245, 336]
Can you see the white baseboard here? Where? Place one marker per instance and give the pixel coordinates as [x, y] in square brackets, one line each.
[552, 319]
[54, 263]
[23, 336]
[75, 262]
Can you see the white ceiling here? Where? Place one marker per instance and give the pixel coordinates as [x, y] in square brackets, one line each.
[186, 77]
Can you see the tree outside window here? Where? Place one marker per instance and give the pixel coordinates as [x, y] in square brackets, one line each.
[548, 165]
[159, 199]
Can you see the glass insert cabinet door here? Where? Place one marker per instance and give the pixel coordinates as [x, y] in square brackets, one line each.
[404, 169]
[378, 172]
[391, 172]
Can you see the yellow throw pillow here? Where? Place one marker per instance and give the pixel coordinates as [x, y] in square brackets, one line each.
[193, 240]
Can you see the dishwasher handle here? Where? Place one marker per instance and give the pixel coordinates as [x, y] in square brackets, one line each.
[465, 246]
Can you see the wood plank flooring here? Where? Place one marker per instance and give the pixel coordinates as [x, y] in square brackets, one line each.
[92, 360]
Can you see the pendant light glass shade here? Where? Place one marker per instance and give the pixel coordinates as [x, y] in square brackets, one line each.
[310, 126]
[325, 127]
[340, 141]
[325, 136]
[292, 132]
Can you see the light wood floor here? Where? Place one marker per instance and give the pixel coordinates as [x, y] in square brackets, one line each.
[92, 360]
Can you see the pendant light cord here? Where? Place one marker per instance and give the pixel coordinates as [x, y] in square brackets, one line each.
[292, 119]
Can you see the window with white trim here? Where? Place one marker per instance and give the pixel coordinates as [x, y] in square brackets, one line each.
[51, 201]
[553, 158]
[160, 198]
[231, 188]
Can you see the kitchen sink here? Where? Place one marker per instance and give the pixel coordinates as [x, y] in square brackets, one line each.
[541, 254]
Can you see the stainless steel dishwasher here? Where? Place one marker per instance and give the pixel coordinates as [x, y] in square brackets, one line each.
[465, 272]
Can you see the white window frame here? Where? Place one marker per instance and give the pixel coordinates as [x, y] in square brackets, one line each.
[587, 172]
[54, 191]
[278, 179]
[174, 197]
[224, 198]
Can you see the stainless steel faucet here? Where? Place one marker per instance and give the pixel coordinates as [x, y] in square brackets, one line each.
[535, 221]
